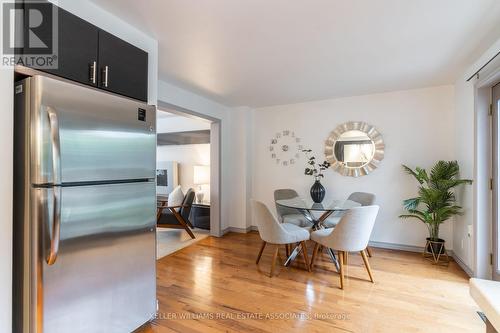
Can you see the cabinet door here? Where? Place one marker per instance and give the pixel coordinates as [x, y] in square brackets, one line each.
[123, 67]
[78, 42]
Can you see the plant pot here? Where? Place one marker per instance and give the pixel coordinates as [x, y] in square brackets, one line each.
[317, 192]
[435, 245]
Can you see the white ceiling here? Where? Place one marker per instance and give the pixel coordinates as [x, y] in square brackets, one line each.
[267, 52]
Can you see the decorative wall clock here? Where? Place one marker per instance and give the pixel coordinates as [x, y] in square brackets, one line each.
[285, 148]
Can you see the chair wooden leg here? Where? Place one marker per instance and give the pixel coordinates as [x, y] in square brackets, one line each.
[260, 252]
[305, 255]
[368, 251]
[287, 250]
[182, 222]
[159, 210]
[273, 263]
[341, 264]
[315, 254]
[367, 265]
[346, 258]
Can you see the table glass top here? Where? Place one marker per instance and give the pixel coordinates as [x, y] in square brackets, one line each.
[308, 204]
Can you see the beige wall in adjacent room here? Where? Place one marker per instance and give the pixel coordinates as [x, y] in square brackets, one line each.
[187, 157]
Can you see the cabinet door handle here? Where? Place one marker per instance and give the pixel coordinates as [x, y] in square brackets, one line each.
[105, 73]
[93, 69]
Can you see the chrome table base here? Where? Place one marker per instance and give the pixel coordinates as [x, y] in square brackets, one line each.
[317, 224]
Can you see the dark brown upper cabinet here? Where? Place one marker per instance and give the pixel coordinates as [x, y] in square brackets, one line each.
[78, 49]
[89, 55]
[123, 68]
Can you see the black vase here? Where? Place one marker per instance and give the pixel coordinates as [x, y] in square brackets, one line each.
[317, 192]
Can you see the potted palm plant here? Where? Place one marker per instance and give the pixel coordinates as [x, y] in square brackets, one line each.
[435, 202]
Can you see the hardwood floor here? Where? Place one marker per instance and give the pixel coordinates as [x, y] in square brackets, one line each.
[215, 286]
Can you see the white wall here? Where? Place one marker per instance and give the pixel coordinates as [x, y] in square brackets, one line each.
[418, 130]
[6, 136]
[241, 171]
[464, 154]
[187, 156]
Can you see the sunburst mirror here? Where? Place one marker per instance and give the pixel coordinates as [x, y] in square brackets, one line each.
[354, 149]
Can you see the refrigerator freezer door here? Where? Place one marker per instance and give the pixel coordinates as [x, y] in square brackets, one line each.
[80, 134]
[104, 277]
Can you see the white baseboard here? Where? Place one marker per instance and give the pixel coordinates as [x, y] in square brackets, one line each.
[395, 246]
[239, 230]
[463, 265]
[402, 247]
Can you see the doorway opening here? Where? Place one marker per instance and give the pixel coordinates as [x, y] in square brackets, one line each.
[487, 175]
[495, 106]
[187, 192]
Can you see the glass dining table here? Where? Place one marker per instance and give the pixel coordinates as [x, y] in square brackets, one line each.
[316, 213]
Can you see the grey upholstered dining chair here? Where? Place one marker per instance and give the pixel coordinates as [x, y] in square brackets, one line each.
[351, 234]
[289, 215]
[274, 233]
[365, 199]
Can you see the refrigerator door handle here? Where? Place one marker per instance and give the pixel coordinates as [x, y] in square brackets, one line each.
[56, 179]
[56, 146]
[56, 225]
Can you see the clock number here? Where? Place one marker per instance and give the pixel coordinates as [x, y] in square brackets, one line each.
[290, 149]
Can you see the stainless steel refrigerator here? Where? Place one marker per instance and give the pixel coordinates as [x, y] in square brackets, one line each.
[84, 210]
